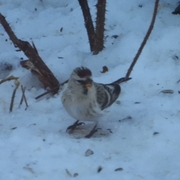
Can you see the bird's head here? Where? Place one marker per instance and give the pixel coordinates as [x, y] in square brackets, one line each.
[82, 78]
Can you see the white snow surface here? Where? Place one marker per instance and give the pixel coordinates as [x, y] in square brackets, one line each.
[34, 144]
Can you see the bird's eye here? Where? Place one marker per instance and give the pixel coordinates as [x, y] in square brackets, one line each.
[81, 81]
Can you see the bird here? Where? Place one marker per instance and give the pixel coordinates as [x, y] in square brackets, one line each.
[85, 100]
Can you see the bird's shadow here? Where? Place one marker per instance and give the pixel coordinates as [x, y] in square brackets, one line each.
[81, 131]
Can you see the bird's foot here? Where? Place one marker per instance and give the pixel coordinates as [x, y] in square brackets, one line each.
[71, 128]
[92, 132]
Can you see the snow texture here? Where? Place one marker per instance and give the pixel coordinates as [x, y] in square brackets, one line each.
[144, 122]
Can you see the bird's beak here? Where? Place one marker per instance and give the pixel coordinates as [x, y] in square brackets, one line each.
[88, 83]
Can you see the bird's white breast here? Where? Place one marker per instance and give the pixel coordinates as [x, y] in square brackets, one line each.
[81, 108]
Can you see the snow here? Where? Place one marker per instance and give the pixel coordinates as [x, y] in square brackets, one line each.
[34, 143]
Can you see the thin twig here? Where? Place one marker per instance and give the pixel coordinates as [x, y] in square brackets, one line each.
[62, 84]
[49, 91]
[43, 94]
[121, 80]
[21, 101]
[13, 95]
[23, 97]
[145, 39]
[9, 79]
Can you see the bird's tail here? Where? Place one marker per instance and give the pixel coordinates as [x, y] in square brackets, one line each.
[121, 80]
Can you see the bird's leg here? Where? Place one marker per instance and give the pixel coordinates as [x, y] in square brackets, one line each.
[92, 132]
[73, 127]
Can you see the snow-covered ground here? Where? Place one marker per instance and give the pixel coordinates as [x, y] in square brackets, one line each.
[145, 123]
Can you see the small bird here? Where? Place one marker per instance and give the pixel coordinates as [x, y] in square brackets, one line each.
[84, 99]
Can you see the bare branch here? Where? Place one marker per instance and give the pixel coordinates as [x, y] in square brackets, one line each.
[145, 39]
[47, 78]
[100, 22]
[88, 23]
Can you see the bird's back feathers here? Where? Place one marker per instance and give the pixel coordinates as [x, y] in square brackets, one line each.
[107, 94]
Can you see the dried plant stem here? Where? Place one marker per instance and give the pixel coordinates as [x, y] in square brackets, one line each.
[23, 96]
[88, 23]
[8, 79]
[49, 91]
[13, 96]
[100, 23]
[43, 94]
[145, 39]
[44, 74]
[95, 34]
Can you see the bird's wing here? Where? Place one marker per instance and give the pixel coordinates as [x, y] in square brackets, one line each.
[107, 94]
